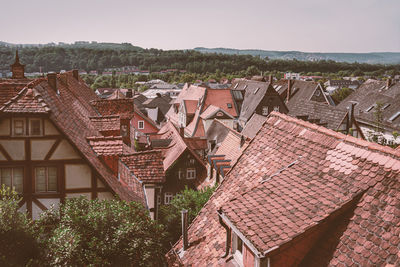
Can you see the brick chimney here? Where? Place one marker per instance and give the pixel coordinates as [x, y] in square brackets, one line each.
[75, 74]
[270, 79]
[52, 80]
[388, 83]
[289, 90]
[129, 93]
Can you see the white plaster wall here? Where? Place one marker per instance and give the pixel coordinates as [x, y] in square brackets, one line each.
[100, 184]
[40, 148]
[4, 127]
[23, 208]
[65, 151]
[72, 195]
[2, 157]
[105, 195]
[48, 202]
[78, 176]
[15, 148]
[150, 194]
[36, 211]
[49, 128]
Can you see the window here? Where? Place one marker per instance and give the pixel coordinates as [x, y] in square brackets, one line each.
[397, 114]
[191, 173]
[46, 179]
[238, 249]
[158, 200]
[18, 127]
[229, 105]
[191, 161]
[35, 127]
[181, 174]
[168, 197]
[258, 88]
[13, 178]
[265, 111]
[141, 124]
[276, 108]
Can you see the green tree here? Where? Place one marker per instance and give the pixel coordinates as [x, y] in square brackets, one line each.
[18, 246]
[100, 233]
[341, 94]
[189, 199]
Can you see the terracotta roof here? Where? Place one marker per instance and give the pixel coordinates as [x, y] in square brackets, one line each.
[106, 123]
[176, 147]
[106, 146]
[220, 98]
[28, 100]
[253, 125]
[10, 88]
[190, 106]
[292, 176]
[147, 166]
[70, 111]
[113, 106]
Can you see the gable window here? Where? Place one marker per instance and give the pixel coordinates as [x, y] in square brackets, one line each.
[35, 127]
[229, 105]
[237, 248]
[265, 111]
[18, 127]
[168, 197]
[276, 108]
[181, 174]
[191, 173]
[46, 179]
[13, 178]
[141, 124]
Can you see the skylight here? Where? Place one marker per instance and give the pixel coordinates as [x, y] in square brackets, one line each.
[395, 116]
[236, 85]
[386, 106]
[370, 108]
[255, 92]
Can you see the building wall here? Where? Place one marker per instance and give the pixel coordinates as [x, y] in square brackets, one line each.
[49, 150]
[148, 128]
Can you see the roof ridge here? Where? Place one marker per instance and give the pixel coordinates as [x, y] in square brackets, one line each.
[112, 137]
[23, 92]
[142, 152]
[345, 138]
[231, 129]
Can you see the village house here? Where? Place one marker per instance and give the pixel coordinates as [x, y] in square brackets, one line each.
[197, 106]
[376, 109]
[54, 145]
[300, 194]
[333, 85]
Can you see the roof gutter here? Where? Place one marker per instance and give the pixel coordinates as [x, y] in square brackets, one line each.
[233, 228]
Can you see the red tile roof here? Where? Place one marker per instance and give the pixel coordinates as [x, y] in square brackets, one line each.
[191, 106]
[106, 146]
[28, 100]
[292, 176]
[220, 98]
[10, 88]
[147, 166]
[106, 123]
[70, 111]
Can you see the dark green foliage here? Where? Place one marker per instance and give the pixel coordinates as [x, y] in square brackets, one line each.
[189, 199]
[100, 233]
[17, 243]
[341, 94]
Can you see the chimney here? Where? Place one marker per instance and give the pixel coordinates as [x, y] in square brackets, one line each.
[388, 82]
[129, 93]
[52, 80]
[75, 73]
[289, 90]
[182, 131]
[270, 79]
[125, 130]
[350, 117]
[185, 229]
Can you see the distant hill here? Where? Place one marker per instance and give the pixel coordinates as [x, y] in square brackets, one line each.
[80, 44]
[370, 58]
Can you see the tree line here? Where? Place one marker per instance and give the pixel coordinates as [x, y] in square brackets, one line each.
[100, 57]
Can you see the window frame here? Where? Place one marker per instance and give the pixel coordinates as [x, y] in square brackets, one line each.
[168, 196]
[191, 171]
[264, 110]
[23, 126]
[12, 176]
[139, 122]
[40, 126]
[237, 254]
[46, 179]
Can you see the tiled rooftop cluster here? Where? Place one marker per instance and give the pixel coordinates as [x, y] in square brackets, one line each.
[105, 146]
[295, 177]
[28, 100]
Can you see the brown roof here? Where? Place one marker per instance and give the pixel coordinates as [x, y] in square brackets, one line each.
[106, 146]
[10, 88]
[147, 166]
[293, 176]
[253, 125]
[28, 100]
[106, 123]
[366, 97]
[70, 111]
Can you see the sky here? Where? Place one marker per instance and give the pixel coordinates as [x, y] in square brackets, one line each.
[284, 25]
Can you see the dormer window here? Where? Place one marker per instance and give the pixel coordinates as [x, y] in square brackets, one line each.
[27, 127]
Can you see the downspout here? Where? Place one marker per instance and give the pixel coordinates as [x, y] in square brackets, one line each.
[228, 235]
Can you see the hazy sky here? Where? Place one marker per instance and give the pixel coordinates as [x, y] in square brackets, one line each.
[304, 25]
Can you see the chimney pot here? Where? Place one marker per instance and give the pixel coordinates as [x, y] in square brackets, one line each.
[52, 80]
[185, 229]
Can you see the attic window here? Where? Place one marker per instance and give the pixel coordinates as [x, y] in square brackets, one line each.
[229, 105]
[370, 108]
[255, 92]
[395, 116]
